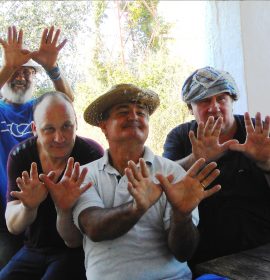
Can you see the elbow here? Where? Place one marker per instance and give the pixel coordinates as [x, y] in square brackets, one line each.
[94, 235]
[90, 227]
[13, 230]
[184, 256]
[73, 244]
[184, 252]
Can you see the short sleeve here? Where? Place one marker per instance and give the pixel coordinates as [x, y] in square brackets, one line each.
[90, 198]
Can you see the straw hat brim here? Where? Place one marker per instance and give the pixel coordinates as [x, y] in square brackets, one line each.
[122, 93]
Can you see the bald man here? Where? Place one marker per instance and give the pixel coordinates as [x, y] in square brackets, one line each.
[30, 208]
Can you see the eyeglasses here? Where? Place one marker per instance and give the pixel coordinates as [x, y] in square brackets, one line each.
[25, 71]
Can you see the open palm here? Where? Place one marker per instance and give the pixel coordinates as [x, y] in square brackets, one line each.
[32, 190]
[186, 194]
[66, 192]
[257, 144]
[206, 145]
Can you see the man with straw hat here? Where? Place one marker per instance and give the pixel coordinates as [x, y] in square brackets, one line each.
[138, 220]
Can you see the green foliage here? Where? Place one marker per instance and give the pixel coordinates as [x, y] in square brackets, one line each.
[144, 25]
[91, 65]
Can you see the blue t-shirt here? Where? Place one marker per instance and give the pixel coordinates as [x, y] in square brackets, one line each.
[15, 126]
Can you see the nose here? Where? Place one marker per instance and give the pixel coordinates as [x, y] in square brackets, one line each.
[213, 106]
[20, 76]
[59, 137]
[132, 115]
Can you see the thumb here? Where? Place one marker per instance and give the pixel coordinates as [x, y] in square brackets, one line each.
[85, 188]
[226, 145]
[237, 147]
[52, 176]
[46, 180]
[164, 181]
[25, 51]
[34, 55]
[170, 178]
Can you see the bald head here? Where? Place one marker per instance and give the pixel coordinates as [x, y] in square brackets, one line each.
[49, 99]
[54, 124]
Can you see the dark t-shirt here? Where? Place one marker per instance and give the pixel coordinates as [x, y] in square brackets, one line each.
[42, 232]
[238, 216]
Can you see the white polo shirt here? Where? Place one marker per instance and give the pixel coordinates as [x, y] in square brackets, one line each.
[142, 253]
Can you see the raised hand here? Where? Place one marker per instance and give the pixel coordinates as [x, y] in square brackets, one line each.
[186, 194]
[14, 56]
[257, 144]
[33, 191]
[48, 50]
[140, 186]
[206, 145]
[66, 192]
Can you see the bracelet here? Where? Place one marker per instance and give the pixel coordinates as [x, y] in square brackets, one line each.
[54, 73]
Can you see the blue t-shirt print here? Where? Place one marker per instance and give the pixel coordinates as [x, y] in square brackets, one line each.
[15, 127]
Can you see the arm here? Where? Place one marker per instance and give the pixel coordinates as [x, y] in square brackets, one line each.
[14, 56]
[187, 161]
[184, 196]
[18, 217]
[65, 194]
[47, 55]
[105, 224]
[22, 212]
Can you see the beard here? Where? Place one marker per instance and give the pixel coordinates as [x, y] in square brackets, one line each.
[20, 96]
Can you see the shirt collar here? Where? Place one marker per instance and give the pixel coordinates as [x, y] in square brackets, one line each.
[104, 162]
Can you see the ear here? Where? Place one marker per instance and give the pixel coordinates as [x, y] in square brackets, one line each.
[34, 128]
[76, 122]
[190, 109]
[102, 125]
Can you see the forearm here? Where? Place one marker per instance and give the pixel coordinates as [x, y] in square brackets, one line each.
[183, 237]
[63, 86]
[105, 224]
[59, 81]
[265, 165]
[67, 229]
[18, 218]
[186, 162]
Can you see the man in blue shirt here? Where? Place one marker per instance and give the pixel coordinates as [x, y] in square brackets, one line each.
[19, 67]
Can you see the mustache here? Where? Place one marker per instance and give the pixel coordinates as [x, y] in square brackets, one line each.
[17, 82]
[132, 124]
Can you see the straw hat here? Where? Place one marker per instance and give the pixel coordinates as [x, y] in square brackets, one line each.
[118, 94]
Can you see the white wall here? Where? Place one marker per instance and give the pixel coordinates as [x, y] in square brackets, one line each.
[238, 42]
[224, 41]
[255, 22]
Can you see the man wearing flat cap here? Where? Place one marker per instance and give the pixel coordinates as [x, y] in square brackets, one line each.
[238, 216]
[139, 218]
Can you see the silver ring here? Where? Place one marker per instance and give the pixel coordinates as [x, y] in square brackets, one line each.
[203, 185]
